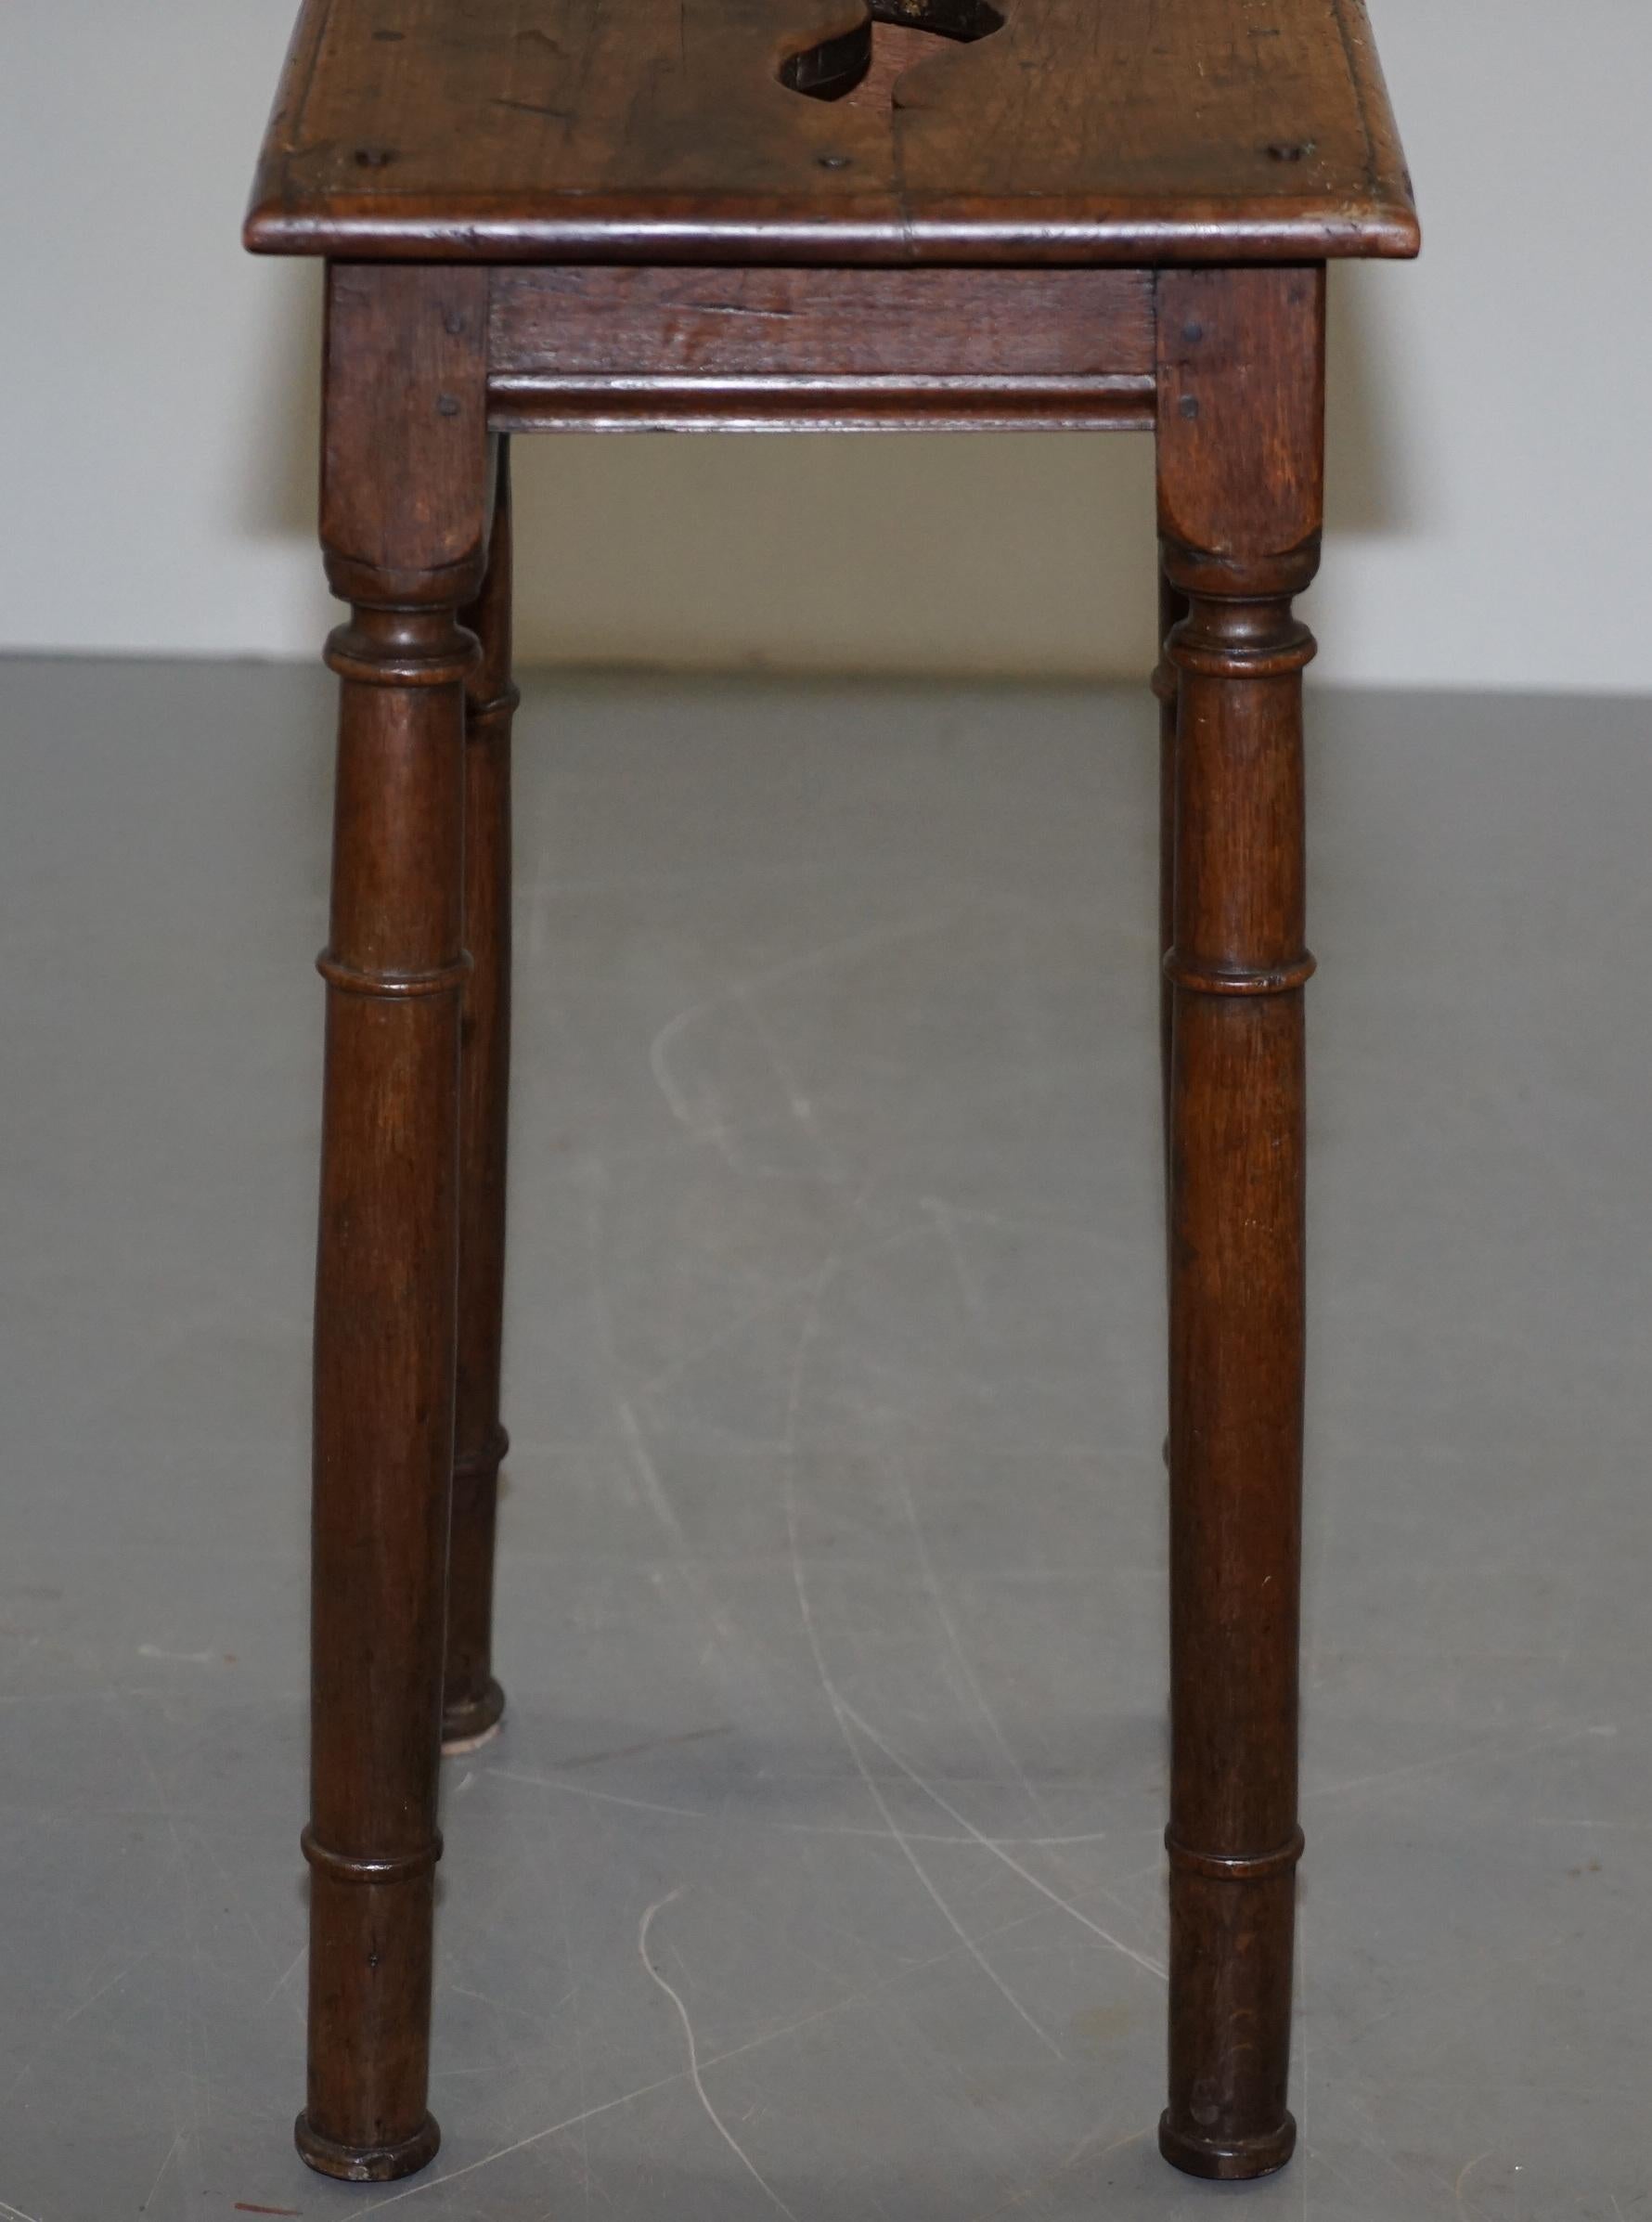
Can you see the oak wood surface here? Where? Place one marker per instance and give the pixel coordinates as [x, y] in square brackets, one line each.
[862, 323]
[625, 348]
[1081, 131]
[405, 502]
[1241, 448]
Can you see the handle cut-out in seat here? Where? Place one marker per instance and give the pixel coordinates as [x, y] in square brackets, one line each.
[863, 65]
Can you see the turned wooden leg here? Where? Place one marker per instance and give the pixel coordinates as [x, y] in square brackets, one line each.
[403, 509]
[1240, 471]
[473, 1700]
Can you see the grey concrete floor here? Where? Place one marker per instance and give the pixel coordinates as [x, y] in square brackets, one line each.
[818, 1871]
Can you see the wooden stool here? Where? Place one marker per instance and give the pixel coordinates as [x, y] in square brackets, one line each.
[546, 216]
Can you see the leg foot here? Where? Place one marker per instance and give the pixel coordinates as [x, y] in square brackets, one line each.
[367, 2164]
[474, 1722]
[1221, 2162]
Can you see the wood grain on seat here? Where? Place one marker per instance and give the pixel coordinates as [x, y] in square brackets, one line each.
[1081, 131]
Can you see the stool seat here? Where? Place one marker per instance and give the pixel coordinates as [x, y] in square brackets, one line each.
[832, 131]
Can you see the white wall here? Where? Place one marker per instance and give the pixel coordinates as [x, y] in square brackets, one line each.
[1491, 463]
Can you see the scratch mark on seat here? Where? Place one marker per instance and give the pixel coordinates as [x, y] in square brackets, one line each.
[533, 107]
[741, 308]
[718, 2122]
[16, 2213]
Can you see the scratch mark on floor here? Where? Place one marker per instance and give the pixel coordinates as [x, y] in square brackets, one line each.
[993, 1845]
[282, 1980]
[1573, 1820]
[853, 945]
[1065, 2167]
[110, 1695]
[797, 1103]
[638, 1453]
[537, 2019]
[143, 2207]
[193, 2018]
[775, 1291]
[955, 1643]
[1486, 1747]
[716, 2119]
[583, 1790]
[537, 2137]
[771, 2037]
[654, 1743]
[1043, 1229]
[845, 1714]
[843, 1711]
[1464, 2173]
[693, 1352]
[558, 1868]
[103, 1989]
[945, 1226]
[936, 1836]
[875, 1990]
[648, 1473]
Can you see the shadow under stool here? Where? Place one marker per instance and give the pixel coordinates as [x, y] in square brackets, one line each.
[840, 215]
